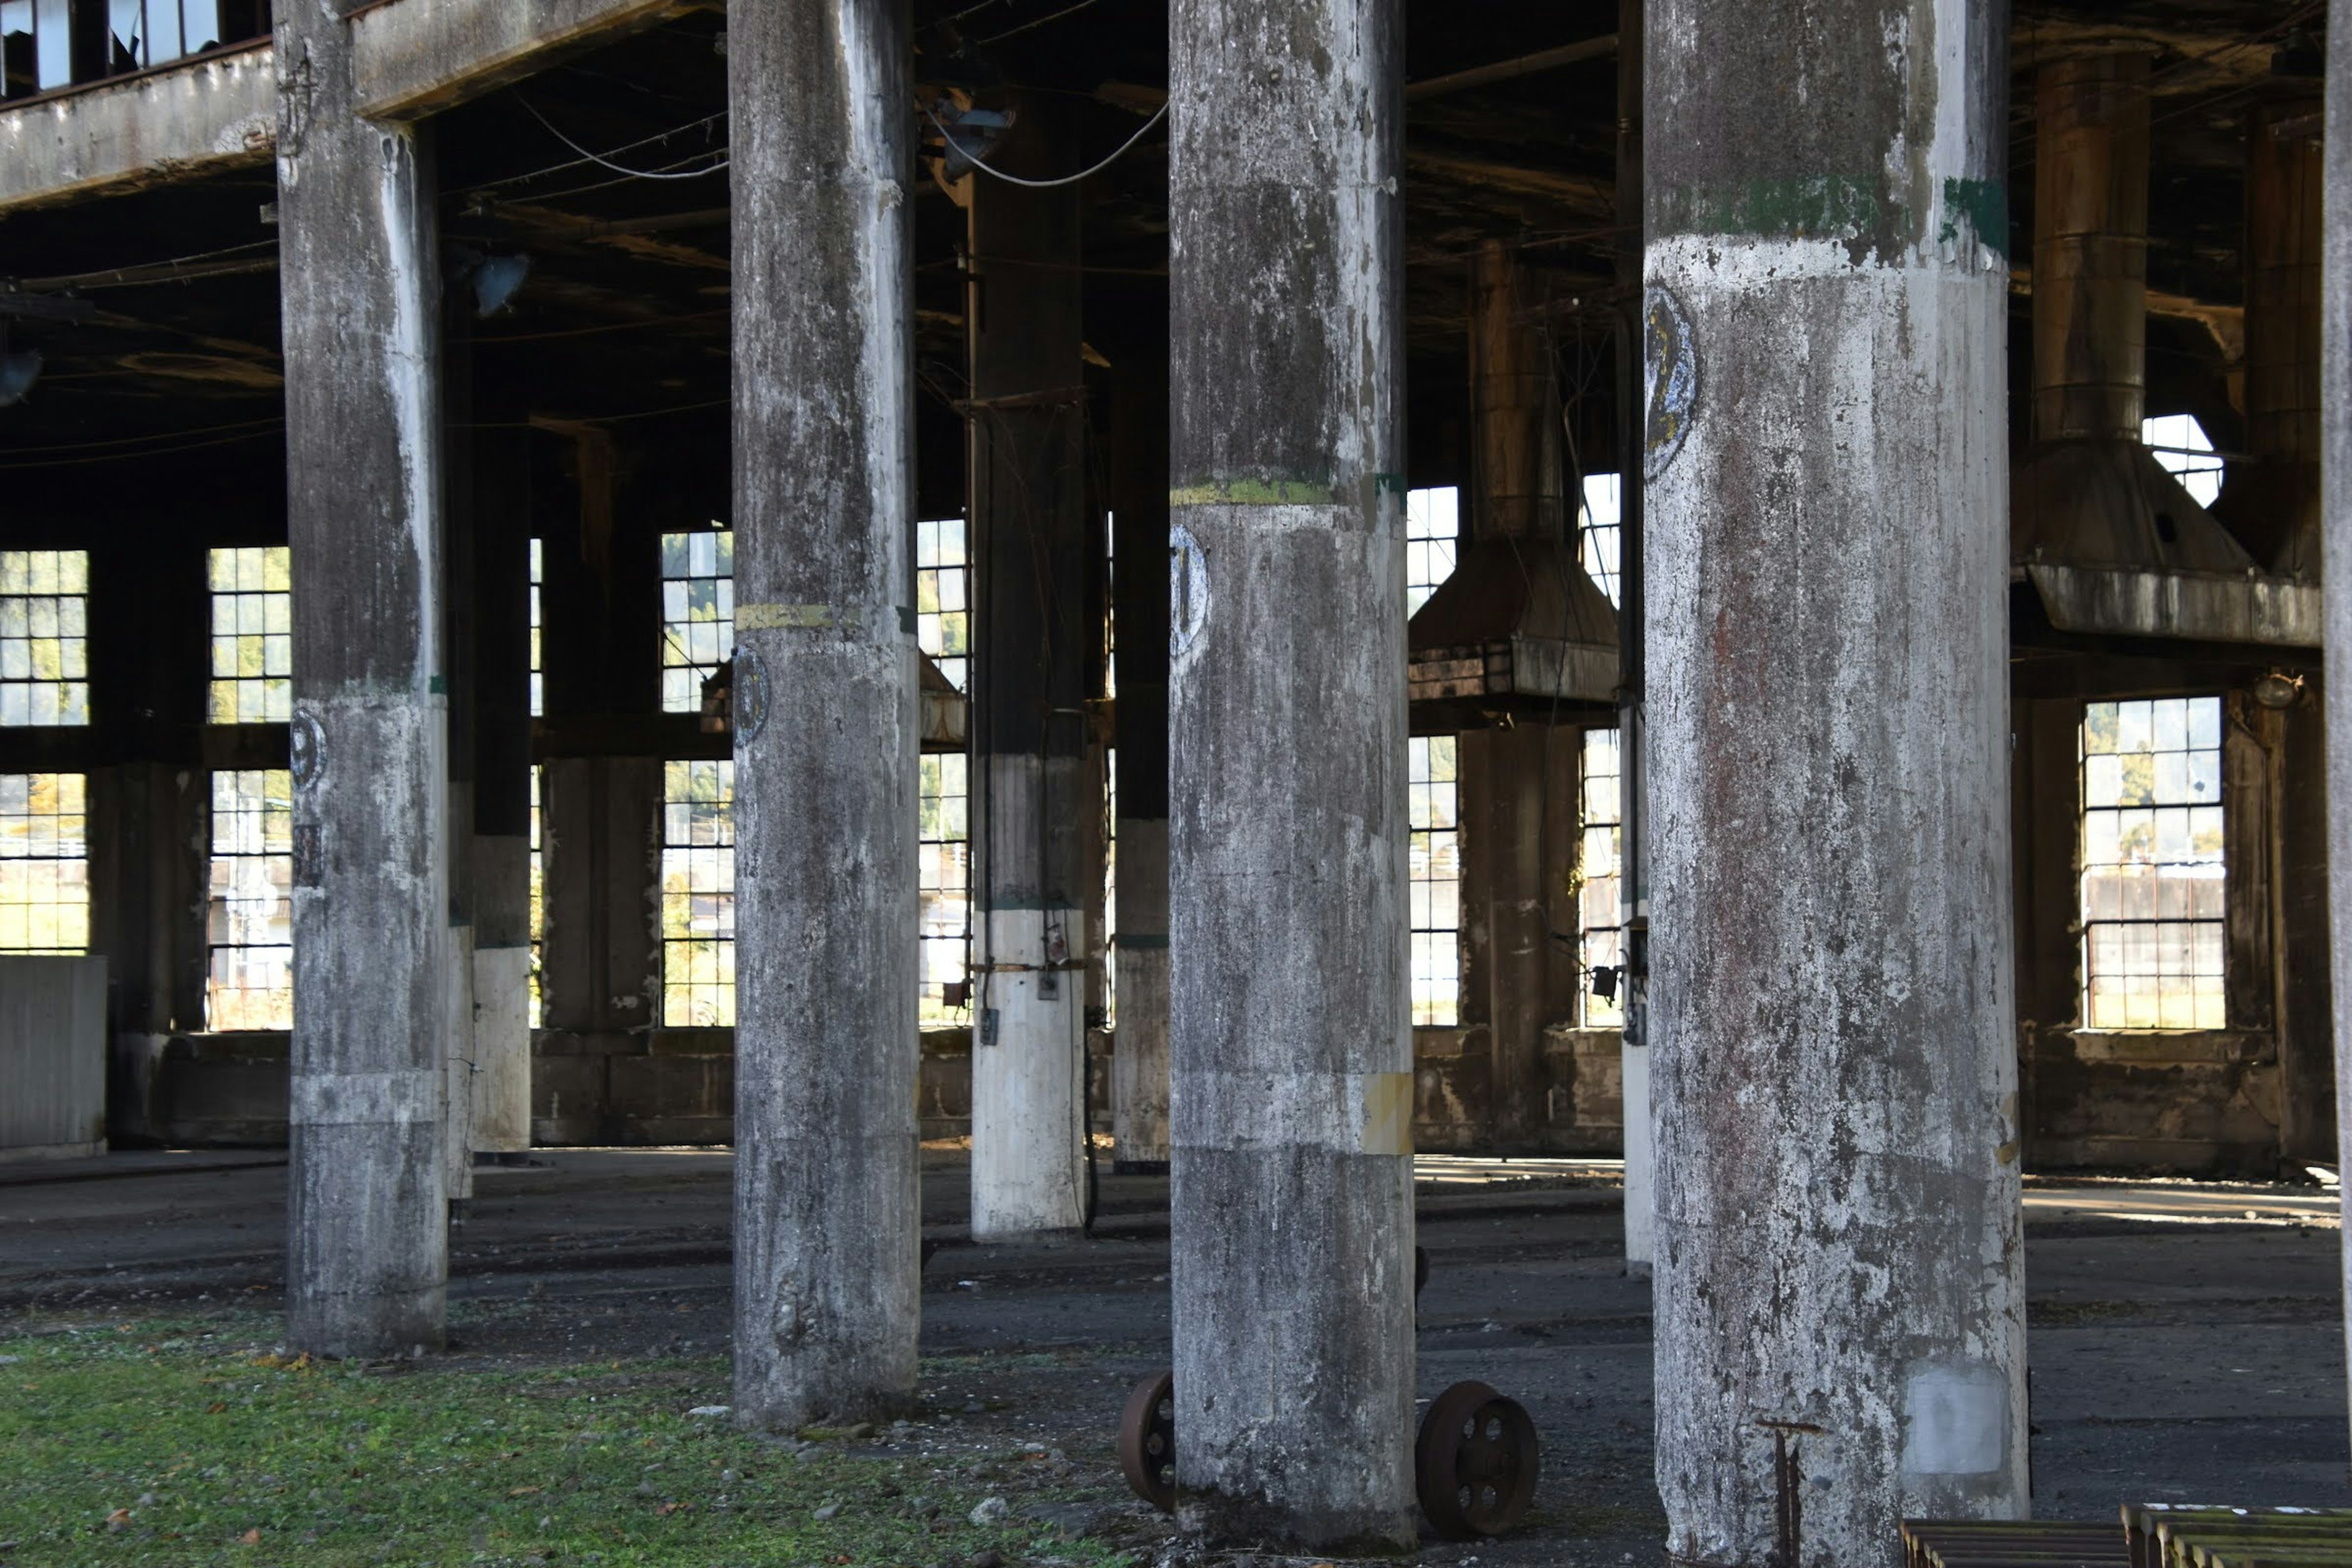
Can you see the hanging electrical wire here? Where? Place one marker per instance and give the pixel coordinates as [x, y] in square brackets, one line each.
[603, 161]
[1157, 115]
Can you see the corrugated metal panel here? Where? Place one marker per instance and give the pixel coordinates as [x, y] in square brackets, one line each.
[52, 1055]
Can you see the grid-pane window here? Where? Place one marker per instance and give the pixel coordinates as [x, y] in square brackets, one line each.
[698, 894]
[1601, 533]
[44, 637]
[945, 900]
[1599, 917]
[537, 912]
[943, 621]
[2152, 865]
[1435, 868]
[253, 636]
[537, 576]
[43, 864]
[250, 930]
[2181, 444]
[1432, 528]
[698, 614]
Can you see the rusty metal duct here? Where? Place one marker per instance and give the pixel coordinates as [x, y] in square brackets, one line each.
[2272, 502]
[1519, 625]
[2111, 542]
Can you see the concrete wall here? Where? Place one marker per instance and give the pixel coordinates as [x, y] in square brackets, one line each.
[52, 1057]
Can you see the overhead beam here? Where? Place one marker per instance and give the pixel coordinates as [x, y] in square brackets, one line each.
[415, 57]
[215, 113]
[1599, 48]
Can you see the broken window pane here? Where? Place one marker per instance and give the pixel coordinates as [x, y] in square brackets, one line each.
[1432, 527]
[44, 637]
[698, 614]
[1435, 875]
[1600, 922]
[2181, 444]
[698, 905]
[44, 863]
[1600, 532]
[250, 925]
[253, 635]
[2153, 869]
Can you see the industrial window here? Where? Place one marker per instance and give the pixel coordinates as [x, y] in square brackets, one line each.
[698, 894]
[253, 636]
[2152, 865]
[44, 637]
[43, 864]
[250, 930]
[37, 38]
[1601, 533]
[698, 614]
[538, 681]
[1432, 527]
[945, 885]
[1110, 887]
[1435, 868]
[538, 911]
[1600, 915]
[2181, 445]
[943, 621]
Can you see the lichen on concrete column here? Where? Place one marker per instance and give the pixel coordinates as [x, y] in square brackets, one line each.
[827, 1211]
[367, 1258]
[1291, 1092]
[1840, 1304]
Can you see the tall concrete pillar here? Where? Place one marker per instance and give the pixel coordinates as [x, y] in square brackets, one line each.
[2336, 489]
[499, 866]
[1033, 808]
[1139, 488]
[367, 1254]
[828, 1214]
[1291, 1099]
[1840, 1303]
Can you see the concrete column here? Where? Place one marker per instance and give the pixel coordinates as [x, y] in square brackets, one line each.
[2336, 491]
[828, 1216]
[1032, 810]
[1633, 720]
[1840, 1302]
[500, 848]
[367, 1255]
[1291, 1098]
[1139, 488]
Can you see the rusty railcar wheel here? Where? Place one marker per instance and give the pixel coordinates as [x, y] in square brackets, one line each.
[1147, 1441]
[1475, 1462]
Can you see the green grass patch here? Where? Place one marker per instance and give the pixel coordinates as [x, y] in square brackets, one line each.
[193, 1442]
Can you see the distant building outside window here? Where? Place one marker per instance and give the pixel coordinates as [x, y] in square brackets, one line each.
[2181, 444]
[250, 923]
[1601, 534]
[2153, 869]
[697, 899]
[253, 635]
[1601, 920]
[698, 614]
[942, 618]
[44, 637]
[1435, 867]
[44, 863]
[1433, 533]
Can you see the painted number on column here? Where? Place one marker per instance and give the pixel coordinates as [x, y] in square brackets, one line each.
[1187, 588]
[306, 749]
[1670, 366]
[750, 694]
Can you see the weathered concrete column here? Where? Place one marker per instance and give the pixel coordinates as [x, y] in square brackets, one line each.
[501, 863]
[2336, 489]
[367, 1254]
[1291, 1098]
[1840, 1268]
[1139, 486]
[1032, 810]
[828, 1216]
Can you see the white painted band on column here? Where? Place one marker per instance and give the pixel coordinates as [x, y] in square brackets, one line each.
[364, 1099]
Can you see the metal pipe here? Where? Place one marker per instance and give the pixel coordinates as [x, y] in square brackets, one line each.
[2090, 248]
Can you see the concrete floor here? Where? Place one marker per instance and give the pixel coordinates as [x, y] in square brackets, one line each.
[2186, 1337]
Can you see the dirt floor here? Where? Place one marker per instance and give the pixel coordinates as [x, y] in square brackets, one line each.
[2186, 1338]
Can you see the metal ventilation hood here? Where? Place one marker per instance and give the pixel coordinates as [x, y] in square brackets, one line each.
[1519, 627]
[2109, 540]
